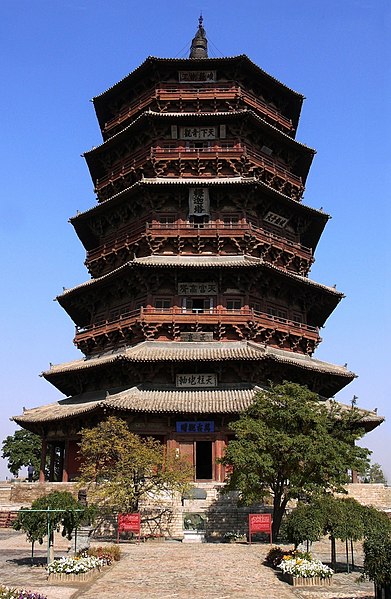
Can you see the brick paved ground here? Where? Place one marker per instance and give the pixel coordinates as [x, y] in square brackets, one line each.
[171, 570]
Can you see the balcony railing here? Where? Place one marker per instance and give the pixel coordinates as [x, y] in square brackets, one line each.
[210, 316]
[186, 93]
[173, 151]
[156, 229]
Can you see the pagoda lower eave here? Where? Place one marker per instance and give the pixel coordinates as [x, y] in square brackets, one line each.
[230, 363]
[224, 401]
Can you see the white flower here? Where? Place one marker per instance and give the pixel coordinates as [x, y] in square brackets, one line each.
[305, 568]
[74, 565]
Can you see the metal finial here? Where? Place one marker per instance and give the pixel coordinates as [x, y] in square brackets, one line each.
[199, 45]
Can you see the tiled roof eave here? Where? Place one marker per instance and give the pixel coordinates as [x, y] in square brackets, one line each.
[141, 399]
[149, 352]
[183, 262]
[152, 59]
[200, 183]
[198, 116]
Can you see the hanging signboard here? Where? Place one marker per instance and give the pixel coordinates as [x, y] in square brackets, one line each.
[199, 204]
[190, 133]
[208, 288]
[207, 426]
[275, 219]
[259, 523]
[196, 380]
[129, 523]
[197, 76]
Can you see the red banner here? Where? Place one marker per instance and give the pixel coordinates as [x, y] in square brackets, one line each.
[260, 523]
[129, 523]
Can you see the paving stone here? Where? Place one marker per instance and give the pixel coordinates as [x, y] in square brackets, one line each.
[171, 570]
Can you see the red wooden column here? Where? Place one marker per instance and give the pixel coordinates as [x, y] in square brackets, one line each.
[354, 476]
[43, 461]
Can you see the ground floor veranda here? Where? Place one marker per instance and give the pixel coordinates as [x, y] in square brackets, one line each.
[202, 450]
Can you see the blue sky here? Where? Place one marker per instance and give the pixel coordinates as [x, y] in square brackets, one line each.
[57, 54]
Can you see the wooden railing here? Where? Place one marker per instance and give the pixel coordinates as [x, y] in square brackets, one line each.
[118, 241]
[211, 316]
[208, 91]
[173, 151]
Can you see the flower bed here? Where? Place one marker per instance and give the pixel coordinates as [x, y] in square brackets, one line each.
[305, 572]
[78, 568]
[9, 593]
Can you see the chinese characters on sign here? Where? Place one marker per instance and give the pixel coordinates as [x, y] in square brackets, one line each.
[197, 288]
[195, 427]
[190, 336]
[129, 523]
[198, 133]
[275, 219]
[260, 523]
[197, 76]
[196, 380]
[199, 201]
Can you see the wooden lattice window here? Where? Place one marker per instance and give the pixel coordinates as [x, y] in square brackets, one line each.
[279, 313]
[162, 303]
[233, 304]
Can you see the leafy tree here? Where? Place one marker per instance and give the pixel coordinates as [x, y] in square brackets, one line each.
[120, 468]
[376, 523]
[289, 444]
[377, 561]
[339, 518]
[373, 474]
[35, 523]
[304, 523]
[21, 449]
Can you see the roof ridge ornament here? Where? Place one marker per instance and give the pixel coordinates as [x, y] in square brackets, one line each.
[199, 44]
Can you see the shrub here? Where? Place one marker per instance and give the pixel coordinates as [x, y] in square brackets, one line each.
[276, 555]
[377, 559]
[108, 554]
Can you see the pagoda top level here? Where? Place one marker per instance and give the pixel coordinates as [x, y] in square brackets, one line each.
[198, 73]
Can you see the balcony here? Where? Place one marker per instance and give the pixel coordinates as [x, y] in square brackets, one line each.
[165, 151]
[117, 242]
[216, 92]
[214, 316]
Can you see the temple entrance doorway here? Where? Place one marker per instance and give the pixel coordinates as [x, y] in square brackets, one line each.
[203, 469]
[200, 455]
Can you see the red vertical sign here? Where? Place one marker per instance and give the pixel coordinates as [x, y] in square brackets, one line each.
[129, 523]
[260, 523]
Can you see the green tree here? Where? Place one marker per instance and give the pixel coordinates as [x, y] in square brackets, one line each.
[68, 516]
[21, 449]
[288, 444]
[341, 518]
[373, 474]
[304, 523]
[119, 468]
[377, 560]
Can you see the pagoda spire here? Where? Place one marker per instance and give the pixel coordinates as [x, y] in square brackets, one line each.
[199, 45]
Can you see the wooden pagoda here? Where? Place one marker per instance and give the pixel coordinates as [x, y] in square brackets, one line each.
[199, 249]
